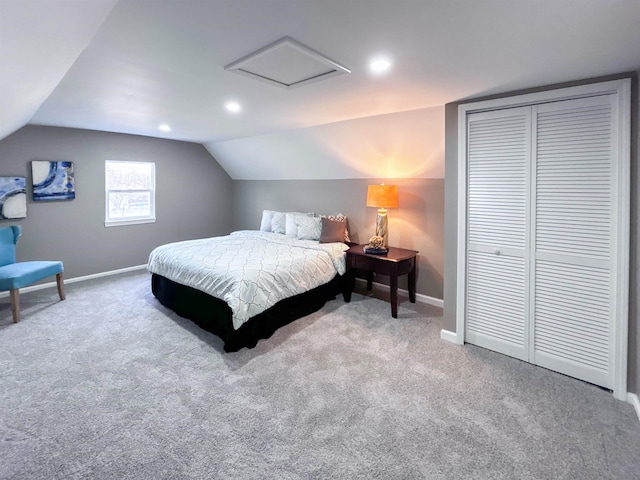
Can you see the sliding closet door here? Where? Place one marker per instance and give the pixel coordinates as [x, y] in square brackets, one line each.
[573, 200]
[498, 147]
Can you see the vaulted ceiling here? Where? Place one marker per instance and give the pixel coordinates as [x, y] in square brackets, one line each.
[131, 65]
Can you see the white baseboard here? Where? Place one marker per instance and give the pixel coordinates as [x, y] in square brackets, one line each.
[450, 336]
[633, 399]
[41, 286]
[436, 302]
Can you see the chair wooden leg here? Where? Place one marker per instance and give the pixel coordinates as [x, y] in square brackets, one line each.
[59, 281]
[15, 305]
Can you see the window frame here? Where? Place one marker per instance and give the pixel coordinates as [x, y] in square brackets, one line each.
[115, 222]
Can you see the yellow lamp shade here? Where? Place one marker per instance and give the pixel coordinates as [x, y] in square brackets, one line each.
[382, 196]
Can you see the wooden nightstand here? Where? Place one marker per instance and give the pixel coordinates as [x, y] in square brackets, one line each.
[397, 261]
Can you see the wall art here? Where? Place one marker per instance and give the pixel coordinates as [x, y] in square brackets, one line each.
[52, 181]
[13, 197]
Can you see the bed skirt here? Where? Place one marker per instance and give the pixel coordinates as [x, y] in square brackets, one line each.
[214, 315]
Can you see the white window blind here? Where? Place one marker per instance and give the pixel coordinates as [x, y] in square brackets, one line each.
[129, 193]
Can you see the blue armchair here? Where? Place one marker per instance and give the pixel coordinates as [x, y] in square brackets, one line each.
[15, 275]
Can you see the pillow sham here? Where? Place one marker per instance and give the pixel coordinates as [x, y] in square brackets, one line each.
[332, 231]
[291, 220]
[278, 222]
[309, 228]
[339, 217]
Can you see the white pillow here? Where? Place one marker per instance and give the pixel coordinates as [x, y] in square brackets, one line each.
[265, 223]
[291, 219]
[309, 228]
[278, 222]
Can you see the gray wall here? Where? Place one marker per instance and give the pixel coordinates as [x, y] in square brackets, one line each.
[417, 224]
[192, 198]
[451, 206]
[195, 198]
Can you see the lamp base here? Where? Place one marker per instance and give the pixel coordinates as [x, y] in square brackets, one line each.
[382, 227]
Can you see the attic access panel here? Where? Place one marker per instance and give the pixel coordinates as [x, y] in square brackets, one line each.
[287, 64]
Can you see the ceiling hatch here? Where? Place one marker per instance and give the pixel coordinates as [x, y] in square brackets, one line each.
[287, 64]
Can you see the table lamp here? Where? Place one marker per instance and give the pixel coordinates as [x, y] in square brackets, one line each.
[382, 196]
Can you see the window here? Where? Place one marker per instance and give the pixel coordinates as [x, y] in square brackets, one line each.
[130, 191]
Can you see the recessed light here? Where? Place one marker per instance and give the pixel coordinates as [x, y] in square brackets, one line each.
[379, 65]
[164, 128]
[233, 107]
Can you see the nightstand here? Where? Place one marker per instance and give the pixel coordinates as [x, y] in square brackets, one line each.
[397, 261]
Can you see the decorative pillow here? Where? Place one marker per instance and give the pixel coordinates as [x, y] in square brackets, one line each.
[309, 228]
[332, 231]
[278, 222]
[291, 219]
[265, 223]
[339, 217]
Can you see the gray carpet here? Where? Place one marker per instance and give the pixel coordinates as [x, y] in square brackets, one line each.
[110, 385]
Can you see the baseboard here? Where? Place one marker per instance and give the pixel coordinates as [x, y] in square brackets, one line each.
[633, 399]
[41, 286]
[450, 336]
[436, 302]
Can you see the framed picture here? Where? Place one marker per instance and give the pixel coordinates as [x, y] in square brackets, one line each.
[13, 197]
[52, 181]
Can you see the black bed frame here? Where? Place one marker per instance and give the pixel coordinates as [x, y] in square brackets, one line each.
[214, 315]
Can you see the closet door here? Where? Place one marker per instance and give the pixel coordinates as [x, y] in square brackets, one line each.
[498, 153]
[573, 260]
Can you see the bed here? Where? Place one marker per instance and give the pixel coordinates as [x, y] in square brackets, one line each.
[244, 286]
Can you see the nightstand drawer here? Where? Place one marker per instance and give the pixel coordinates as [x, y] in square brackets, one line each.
[363, 263]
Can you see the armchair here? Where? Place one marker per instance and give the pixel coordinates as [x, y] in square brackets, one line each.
[15, 275]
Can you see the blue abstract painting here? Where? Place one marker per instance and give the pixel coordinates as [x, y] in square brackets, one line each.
[52, 181]
[13, 197]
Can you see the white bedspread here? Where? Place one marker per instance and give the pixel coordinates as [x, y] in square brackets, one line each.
[250, 270]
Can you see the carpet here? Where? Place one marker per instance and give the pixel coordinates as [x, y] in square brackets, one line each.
[111, 385]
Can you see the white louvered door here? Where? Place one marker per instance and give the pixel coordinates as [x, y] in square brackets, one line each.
[572, 311]
[541, 232]
[498, 160]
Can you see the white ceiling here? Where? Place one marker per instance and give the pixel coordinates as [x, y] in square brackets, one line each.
[130, 65]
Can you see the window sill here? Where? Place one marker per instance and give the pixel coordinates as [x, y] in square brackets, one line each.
[131, 221]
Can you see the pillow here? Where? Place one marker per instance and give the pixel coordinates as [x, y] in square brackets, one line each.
[332, 231]
[278, 222]
[339, 217]
[309, 228]
[291, 219]
[265, 223]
